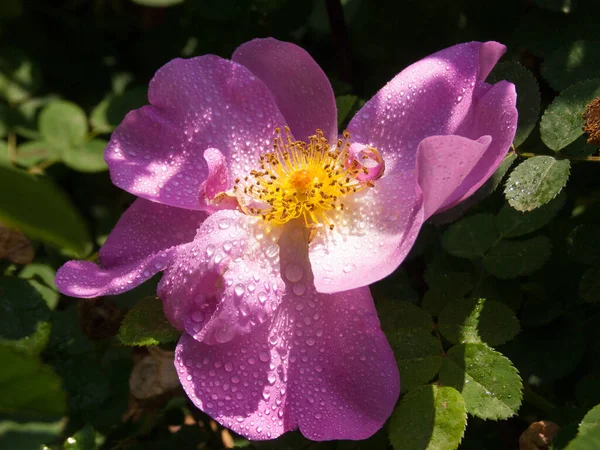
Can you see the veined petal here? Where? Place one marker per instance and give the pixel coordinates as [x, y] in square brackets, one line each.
[140, 245]
[226, 282]
[322, 365]
[437, 95]
[301, 89]
[372, 235]
[195, 104]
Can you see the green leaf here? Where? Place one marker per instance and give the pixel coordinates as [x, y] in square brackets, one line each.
[471, 237]
[562, 122]
[19, 75]
[591, 419]
[447, 278]
[429, 418]
[512, 223]
[398, 316]
[510, 259]
[536, 181]
[583, 243]
[571, 63]
[28, 435]
[145, 324]
[28, 386]
[112, 109]
[41, 276]
[63, 124]
[88, 157]
[418, 355]
[528, 96]
[344, 104]
[157, 3]
[41, 211]
[589, 287]
[84, 439]
[33, 152]
[590, 440]
[21, 308]
[33, 344]
[478, 320]
[488, 382]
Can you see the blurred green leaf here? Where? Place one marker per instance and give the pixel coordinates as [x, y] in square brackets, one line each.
[418, 355]
[591, 419]
[528, 96]
[583, 244]
[63, 124]
[21, 308]
[28, 435]
[19, 75]
[29, 387]
[33, 152]
[84, 439]
[510, 259]
[447, 281]
[88, 157]
[471, 237]
[145, 324]
[488, 382]
[41, 276]
[572, 63]
[564, 6]
[512, 223]
[589, 287]
[478, 320]
[590, 440]
[429, 418]
[562, 122]
[112, 109]
[536, 181]
[41, 211]
[32, 344]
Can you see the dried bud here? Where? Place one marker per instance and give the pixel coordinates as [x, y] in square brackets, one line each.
[154, 375]
[592, 122]
[538, 436]
[100, 318]
[14, 246]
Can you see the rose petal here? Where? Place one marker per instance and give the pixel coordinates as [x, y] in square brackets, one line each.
[437, 95]
[443, 163]
[371, 237]
[323, 365]
[226, 282]
[140, 245]
[212, 190]
[157, 151]
[301, 89]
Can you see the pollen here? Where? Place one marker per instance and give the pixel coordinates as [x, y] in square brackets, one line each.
[300, 179]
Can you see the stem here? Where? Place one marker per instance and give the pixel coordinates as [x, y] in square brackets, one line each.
[558, 156]
[537, 400]
[439, 338]
[39, 168]
[12, 147]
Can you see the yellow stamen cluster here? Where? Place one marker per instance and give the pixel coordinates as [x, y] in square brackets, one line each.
[301, 179]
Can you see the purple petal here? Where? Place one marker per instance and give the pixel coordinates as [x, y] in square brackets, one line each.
[439, 95]
[199, 103]
[140, 245]
[212, 190]
[443, 163]
[226, 282]
[372, 235]
[322, 365]
[301, 89]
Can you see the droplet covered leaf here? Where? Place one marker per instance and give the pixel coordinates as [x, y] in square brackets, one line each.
[430, 418]
[562, 122]
[512, 223]
[487, 380]
[536, 181]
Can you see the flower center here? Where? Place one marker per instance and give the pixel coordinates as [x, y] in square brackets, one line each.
[305, 179]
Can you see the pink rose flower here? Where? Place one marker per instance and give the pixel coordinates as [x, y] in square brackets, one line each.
[269, 227]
